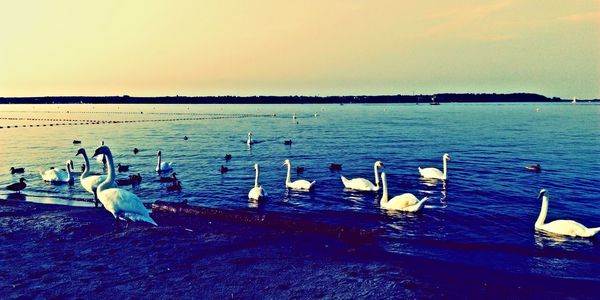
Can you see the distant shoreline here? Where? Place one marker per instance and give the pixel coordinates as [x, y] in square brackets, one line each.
[421, 99]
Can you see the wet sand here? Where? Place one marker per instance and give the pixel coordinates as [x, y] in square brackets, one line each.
[53, 251]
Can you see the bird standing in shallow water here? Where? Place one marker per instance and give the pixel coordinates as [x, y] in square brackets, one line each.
[17, 187]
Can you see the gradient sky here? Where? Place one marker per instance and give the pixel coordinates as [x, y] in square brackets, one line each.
[326, 47]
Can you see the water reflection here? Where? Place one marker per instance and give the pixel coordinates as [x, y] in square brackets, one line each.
[16, 196]
[551, 240]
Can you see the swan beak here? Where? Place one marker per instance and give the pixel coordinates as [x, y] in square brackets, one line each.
[79, 152]
[96, 153]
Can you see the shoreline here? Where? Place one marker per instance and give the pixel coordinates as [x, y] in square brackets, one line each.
[64, 251]
[357, 99]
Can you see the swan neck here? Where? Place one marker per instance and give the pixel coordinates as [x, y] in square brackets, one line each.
[158, 161]
[256, 179]
[384, 196]
[543, 212]
[288, 179]
[86, 172]
[69, 172]
[445, 167]
[376, 175]
[111, 173]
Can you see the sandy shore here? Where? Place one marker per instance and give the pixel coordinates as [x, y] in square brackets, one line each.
[53, 251]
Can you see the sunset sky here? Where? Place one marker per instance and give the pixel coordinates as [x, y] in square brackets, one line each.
[274, 47]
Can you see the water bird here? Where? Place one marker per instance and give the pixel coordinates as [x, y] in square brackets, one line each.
[176, 187]
[228, 156]
[298, 185]
[561, 227]
[434, 173]
[122, 182]
[76, 142]
[162, 166]
[535, 168]
[335, 167]
[405, 202]
[135, 178]
[287, 142]
[224, 169]
[17, 187]
[299, 169]
[185, 138]
[294, 116]
[90, 182]
[172, 178]
[257, 192]
[136, 150]
[249, 141]
[364, 185]
[14, 170]
[122, 168]
[58, 176]
[121, 203]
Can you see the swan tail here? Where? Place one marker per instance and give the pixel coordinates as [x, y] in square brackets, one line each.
[345, 181]
[136, 217]
[593, 231]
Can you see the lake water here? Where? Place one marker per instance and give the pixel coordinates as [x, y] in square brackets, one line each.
[483, 215]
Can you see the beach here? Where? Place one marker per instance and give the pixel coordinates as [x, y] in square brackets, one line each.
[54, 251]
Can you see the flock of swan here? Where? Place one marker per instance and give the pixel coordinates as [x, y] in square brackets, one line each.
[125, 205]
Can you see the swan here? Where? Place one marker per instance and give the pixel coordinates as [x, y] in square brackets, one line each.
[90, 182]
[361, 184]
[59, 176]
[121, 203]
[405, 202]
[298, 185]
[435, 173]
[249, 141]
[257, 192]
[561, 227]
[162, 166]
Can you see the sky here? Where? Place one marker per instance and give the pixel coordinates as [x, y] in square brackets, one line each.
[274, 47]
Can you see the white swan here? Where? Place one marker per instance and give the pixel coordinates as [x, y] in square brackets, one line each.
[162, 166]
[361, 184]
[435, 173]
[298, 185]
[249, 141]
[121, 203]
[405, 202]
[257, 192]
[59, 176]
[90, 182]
[561, 227]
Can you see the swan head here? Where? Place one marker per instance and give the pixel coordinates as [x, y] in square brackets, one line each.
[542, 193]
[447, 156]
[101, 150]
[379, 164]
[255, 166]
[80, 151]
[158, 153]
[286, 162]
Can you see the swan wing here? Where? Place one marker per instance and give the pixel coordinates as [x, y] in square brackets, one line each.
[359, 184]
[566, 227]
[91, 183]
[301, 184]
[123, 203]
[431, 173]
[402, 201]
[257, 193]
[166, 166]
[54, 175]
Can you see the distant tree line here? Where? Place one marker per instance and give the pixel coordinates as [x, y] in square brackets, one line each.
[423, 99]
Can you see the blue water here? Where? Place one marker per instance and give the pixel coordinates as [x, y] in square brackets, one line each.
[483, 215]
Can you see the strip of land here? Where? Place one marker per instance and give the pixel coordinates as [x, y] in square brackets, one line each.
[417, 99]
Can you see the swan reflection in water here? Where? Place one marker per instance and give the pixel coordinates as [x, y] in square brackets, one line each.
[297, 198]
[357, 199]
[547, 239]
